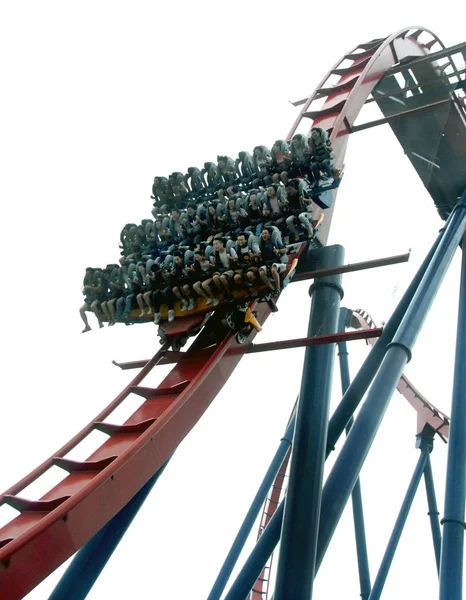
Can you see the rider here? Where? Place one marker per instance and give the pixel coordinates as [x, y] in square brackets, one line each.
[271, 251]
[322, 155]
[245, 270]
[300, 205]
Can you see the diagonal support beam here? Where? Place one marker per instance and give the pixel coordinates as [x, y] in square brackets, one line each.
[360, 334]
[351, 267]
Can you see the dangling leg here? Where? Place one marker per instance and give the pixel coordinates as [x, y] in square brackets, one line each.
[95, 309]
[82, 311]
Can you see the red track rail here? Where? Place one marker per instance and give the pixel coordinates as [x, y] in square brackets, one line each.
[345, 99]
[96, 489]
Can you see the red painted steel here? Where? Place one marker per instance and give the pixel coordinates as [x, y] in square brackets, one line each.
[96, 489]
[427, 413]
[344, 103]
[350, 268]
[260, 589]
[348, 336]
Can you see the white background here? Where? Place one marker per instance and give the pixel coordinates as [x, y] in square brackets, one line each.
[98, 98]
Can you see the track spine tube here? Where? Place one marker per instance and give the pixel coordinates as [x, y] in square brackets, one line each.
[451, 561]
[249, 520]
[400, 523]
[356, 496]
[433, 512]
[298, 548]
[91, 559]
[345, 472]
[369, 368]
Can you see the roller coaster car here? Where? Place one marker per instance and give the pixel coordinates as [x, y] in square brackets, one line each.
[180, 330]
[189, 323]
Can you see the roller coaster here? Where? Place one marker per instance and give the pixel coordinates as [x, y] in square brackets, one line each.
[419, 86]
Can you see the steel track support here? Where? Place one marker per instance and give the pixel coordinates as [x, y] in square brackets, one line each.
[366, 373]
[425, 446]
[433, 512]
[249, 520]
[356, 496]
[295, 572]
[345, 472]
[350, 401]
[90, 560]
[451, 562]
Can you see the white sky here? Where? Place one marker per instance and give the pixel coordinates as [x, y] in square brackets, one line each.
[97, 99]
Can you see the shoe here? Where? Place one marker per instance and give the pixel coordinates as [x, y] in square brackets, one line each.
[171, 316]
[209, 301]
[142, 313]
[183, 305]
[111, 323]
[101, 324]
[86, 329]
[216, 301]
[157, 317]
[191, 304]
[150, 311]
[310, 232]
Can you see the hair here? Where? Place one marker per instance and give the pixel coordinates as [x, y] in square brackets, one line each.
[199, 251]
[294, 183]
[220, 239]
[243, 233]
[178, 253]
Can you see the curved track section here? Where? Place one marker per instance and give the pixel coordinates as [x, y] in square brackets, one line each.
[434, 116]
[96, 489]
[427, 413]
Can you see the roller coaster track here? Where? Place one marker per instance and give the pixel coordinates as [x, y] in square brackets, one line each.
[95, 490]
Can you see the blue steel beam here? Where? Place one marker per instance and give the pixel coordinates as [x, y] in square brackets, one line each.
[356, 496]
[451, 562]
[400, 523]
[258, 557]
[345, 472]
[298, 547]
[433, 512]
[90, 561]
[249, 520]
[271, 535]
[366, 373]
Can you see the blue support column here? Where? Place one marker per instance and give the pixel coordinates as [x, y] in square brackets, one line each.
[295, 572]
[252, 513]
[400, 522]
[356, 496]
[258, 557]
[271, 535]
[366, 373]
[451, 562]
[433, 511]
[90, 561]
[345, 472]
